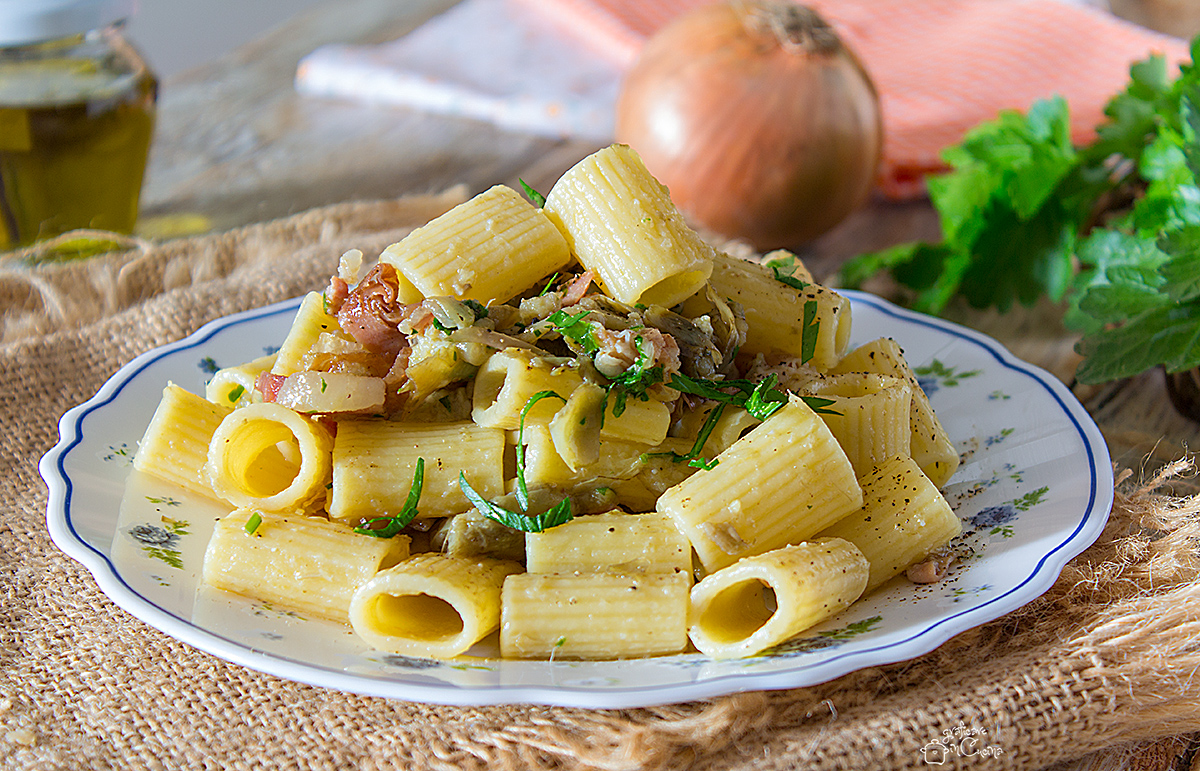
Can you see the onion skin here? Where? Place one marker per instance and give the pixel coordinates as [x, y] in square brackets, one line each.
[759, 135]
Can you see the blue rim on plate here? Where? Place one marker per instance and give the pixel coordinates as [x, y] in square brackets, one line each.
[1015, 424]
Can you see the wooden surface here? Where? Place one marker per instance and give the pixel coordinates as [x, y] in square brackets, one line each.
[236, 145]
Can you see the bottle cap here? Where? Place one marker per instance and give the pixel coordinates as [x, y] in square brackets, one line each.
[23, 22]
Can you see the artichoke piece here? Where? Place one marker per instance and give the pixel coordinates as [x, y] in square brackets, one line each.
[575, 428]
[436, 362]
[471, 534]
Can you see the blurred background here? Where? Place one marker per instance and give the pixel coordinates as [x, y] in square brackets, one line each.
[214, 28]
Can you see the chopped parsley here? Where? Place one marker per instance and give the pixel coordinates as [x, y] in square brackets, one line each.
[809, 331]
[783, 267]
[693, 455]
[575, 329]
[386, 527]
[478, 308]
[761, 399]
[522, 488]
[527, 523]
[635, 380]
[236, 392]
[538, 199]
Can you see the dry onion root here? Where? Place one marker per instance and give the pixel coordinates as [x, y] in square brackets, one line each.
[757, 117]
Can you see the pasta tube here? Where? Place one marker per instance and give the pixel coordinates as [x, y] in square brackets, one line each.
[783, 482]
[234, 386]
[374, 462]
[620, 222]
[430, 605]
[311, 322]
[593, 615]
[869, 415]
[490, 248]
[930, 445]
[642, 543]
[269, 457]
[761, 601]
[306, 564]
[902, 520]
[779, 314]
[510, 378]
[175, 445]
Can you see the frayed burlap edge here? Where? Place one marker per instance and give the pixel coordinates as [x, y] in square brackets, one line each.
[1106, 657]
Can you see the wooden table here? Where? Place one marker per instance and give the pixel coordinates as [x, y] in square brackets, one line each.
[236, 145]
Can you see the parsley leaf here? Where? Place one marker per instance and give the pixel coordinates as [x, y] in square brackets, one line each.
[635, 380]
[575, 329]
[810, 329]
[538, 199]
[1113, 225]
[522, 487]
[387, 527]
[559, 515]
[786, 278]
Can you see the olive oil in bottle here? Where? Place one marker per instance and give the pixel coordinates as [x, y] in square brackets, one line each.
[76, 121]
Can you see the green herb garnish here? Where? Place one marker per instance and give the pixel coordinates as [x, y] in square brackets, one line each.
[575, 329]
[538, 199]
[809, 330]
[252, 523]
[236, 392]
[478, 308]
[1112, 226]
[761, 399]
[386, 527]
[635, 380]
[778, 266]
[523, 489]
[537, 523]
[550, 283]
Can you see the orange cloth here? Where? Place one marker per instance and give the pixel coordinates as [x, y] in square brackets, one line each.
[941, 66]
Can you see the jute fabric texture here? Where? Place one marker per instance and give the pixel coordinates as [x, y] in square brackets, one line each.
[1107, 656]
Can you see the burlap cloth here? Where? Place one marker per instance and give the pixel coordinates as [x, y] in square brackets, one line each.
[1106, 657]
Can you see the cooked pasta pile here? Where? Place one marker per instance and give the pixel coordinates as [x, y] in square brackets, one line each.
[573, 421]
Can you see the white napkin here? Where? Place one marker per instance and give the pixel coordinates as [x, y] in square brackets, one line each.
[492, 60]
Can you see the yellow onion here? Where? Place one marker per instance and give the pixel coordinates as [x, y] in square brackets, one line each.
[758, 118]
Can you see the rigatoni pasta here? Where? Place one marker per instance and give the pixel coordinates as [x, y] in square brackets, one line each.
[599, 615]
[785, 481]
[472, 445]
[489, 248]
[761, 601]
[620, 222]
[903, 519]
[430, 604]
[176, 443]
[269, 457]
[308, 564]
[374, 462]
[931, 446]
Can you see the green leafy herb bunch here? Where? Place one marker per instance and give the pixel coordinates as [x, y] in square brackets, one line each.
[1112, 227]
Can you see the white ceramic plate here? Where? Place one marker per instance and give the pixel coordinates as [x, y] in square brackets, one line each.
[1034, 489]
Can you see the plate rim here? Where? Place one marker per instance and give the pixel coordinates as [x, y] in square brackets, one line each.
[1046, 571]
